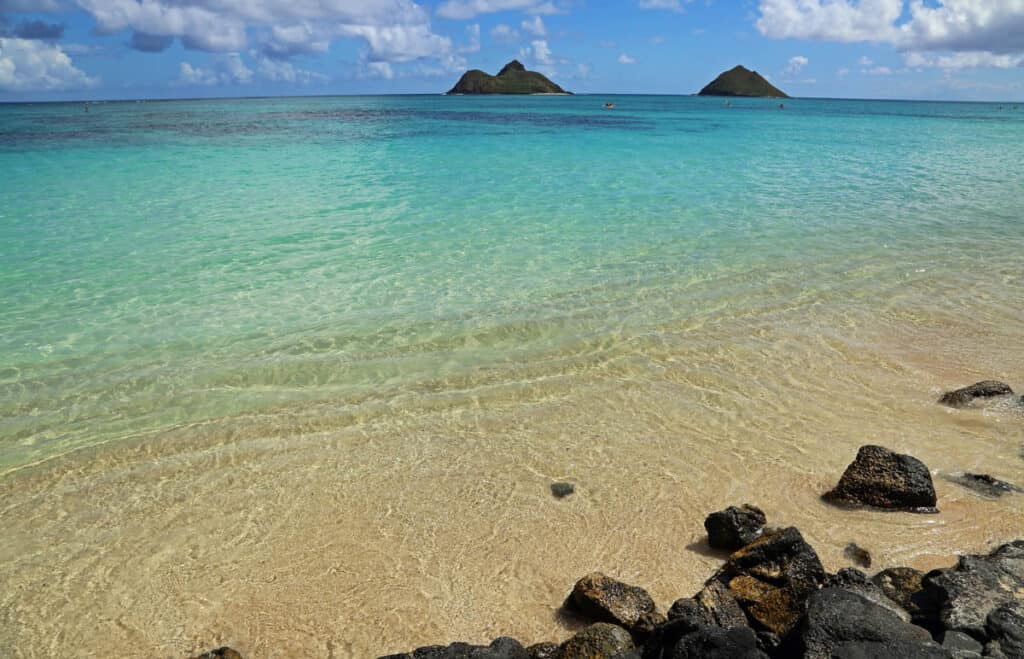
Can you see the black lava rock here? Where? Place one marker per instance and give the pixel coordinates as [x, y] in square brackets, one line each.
[903, 585]
[734, 527]
[985, 389]
[984, 484]
[718, 643]
[839, 620]
[977, 586]
[883, 479]
[769, 580]
[602, 598]
[562, 490]
[598, 641]
[857, 554]
[501, 648]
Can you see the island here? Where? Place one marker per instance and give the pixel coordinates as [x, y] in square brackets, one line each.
[740, 81]
[512, 79]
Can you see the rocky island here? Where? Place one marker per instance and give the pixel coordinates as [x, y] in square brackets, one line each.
[740, 81]
[512, 79]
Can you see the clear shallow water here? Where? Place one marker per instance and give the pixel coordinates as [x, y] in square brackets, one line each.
[383, 324]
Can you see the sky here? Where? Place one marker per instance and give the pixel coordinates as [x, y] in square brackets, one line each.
[126, 49]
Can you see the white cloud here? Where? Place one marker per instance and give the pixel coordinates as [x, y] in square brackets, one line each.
[843, 72]
[671, 5]
[395, 31]
[796, 64]
[864, 61]
[281, 71]
[541, 52]
[534, 27]
[964, 60]
[225, 69]
[378, 70]
[504, 34]
[32, 65]
[879, 71]
[985, 28]
[465, 9]
[626, 59]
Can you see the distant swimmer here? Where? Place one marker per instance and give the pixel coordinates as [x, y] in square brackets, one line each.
[728, 104]
[85, 106]
[609, 106]
[782, 106]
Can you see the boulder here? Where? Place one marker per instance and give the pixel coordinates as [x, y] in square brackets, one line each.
[598, 641]
[839, 620]
[768, 580]
[220, 653]
[889, 650]
[903, 586]
[501, 648]
[883, 479]
[718, 643]
[978, 585]
[1005, 626]
[966, 395]
[855, 581]
[734, 527]
[984, 484]
[602, 598]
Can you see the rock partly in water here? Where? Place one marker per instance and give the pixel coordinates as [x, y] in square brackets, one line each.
[718, 643]
[903, 586]
[220, 653]
[740, 81]
[984, 484]
[978, 585]
[769, 580]
[857, 554]
[562, 490]
[735, 527]
[500, 648]
[1005, 627]
[512, 79]
[598, 641]
[883, 479]
[985, 389]
[840, 620]
[602, 598]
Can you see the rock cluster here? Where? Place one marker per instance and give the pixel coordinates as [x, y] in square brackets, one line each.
[773, 599]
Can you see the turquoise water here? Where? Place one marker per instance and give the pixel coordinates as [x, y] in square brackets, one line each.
[168, 263]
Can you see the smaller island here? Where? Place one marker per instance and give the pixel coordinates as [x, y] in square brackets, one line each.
[512, 79]
[740, 81]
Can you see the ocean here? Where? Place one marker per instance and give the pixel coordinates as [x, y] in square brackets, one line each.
[296, 373]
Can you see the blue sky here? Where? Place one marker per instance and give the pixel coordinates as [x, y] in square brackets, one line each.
[91, 49]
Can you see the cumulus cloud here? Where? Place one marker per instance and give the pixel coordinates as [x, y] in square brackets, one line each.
[796, 64]
[977, 32]
[626, 59]
[225, 69]
[394, 31]
[281, 71]
[964, 60]
[34, 65]
[465, 9]
[534, 26]
[472, 39]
